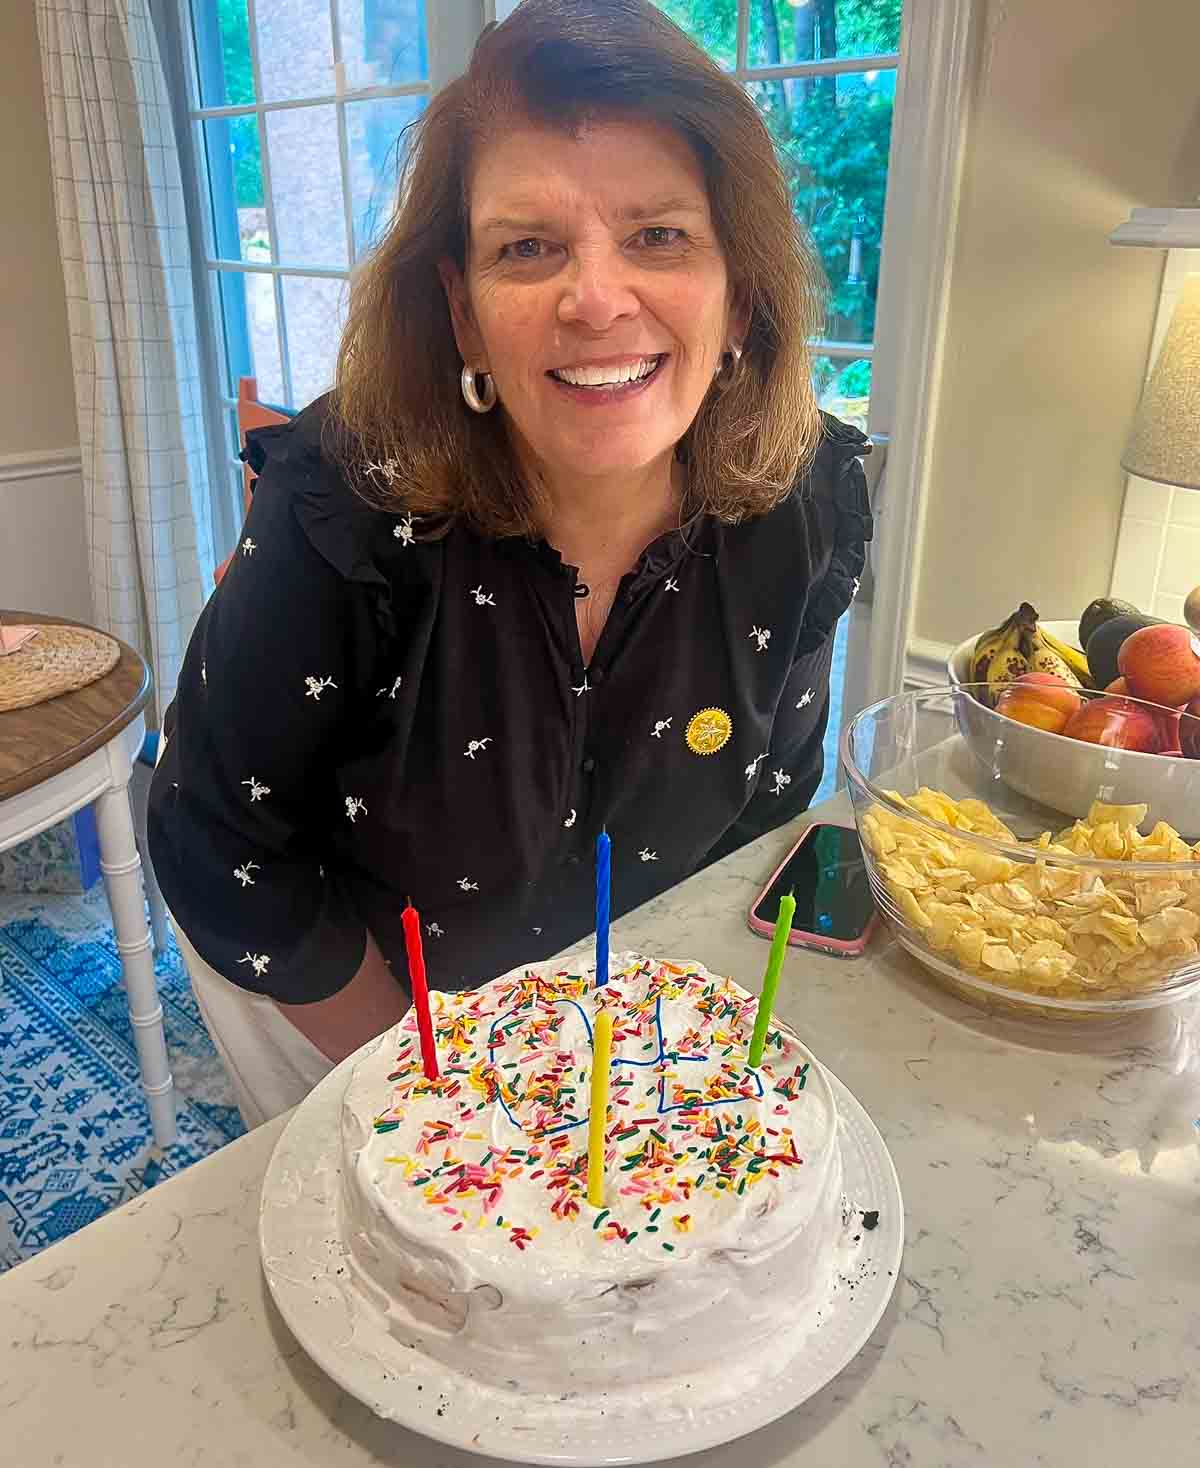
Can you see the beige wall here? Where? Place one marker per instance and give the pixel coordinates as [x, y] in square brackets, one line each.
[1085, 108]
[43, 551]
[37, 404]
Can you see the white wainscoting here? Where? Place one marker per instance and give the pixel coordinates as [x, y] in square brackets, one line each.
[925, 663]
[43, 540]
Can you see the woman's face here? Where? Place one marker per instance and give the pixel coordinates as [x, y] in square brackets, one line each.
[596, 292]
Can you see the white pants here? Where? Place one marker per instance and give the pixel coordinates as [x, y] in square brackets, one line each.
[271, 1065]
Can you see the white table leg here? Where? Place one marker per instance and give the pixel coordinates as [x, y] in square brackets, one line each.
[122, 868]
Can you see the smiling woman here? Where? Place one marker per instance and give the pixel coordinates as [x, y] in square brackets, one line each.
[564, 551]
[579, 190]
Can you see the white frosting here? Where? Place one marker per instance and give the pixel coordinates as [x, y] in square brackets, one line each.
[723, 1210]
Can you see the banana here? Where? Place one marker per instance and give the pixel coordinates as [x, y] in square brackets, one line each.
[1075, 660]
[1000, 648]
[1003, 654]
[1045, 660]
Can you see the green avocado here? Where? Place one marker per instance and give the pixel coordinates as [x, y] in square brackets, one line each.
[1104, 644]
[1103, 609]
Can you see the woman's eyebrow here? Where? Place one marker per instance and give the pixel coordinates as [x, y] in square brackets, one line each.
[532, 224]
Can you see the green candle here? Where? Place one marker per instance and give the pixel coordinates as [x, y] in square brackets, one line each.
[770, 984]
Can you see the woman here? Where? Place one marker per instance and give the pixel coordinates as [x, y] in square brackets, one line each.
[565, 548]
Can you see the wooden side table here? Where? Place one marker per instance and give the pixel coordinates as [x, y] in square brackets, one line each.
[64, 754]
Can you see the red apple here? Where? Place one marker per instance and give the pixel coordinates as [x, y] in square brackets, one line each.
[1042, 700]
[1162, 664]
[1117, 723]
[1119, 686]
[1189, 730]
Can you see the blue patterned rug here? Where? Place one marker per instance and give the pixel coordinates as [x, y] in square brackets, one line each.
[75, 1137]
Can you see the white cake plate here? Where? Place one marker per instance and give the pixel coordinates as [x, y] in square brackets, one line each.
[303, 1260]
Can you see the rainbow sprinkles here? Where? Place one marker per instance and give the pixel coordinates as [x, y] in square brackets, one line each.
[464, 1212]
[680, 1122]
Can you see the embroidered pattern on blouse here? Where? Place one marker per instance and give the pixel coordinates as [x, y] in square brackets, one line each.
[355, 806]
[248, 546]
[257, 790]
[781, 782]
[584, 687]
[854, 588]
[752, 767]
[259, 962]
[671, 584]
[483, 598]
[404, 531]
[388, 470]
[467, 885]
[659, 726]
[570, 820]
[435, 930]
[761, 635]
[391, 692]
[242, 873]
[204, 674]
[809, 695]
[647, 855]
[315, 687]
[477, 746]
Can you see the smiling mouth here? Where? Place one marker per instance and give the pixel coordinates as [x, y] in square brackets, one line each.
[609, 378]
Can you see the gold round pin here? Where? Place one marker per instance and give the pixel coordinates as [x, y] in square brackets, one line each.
[708, 731]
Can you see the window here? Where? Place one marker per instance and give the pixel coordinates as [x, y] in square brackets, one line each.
[298, 112]
[823, 73]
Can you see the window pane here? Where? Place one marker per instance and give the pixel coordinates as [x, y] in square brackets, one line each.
[783, 32]
[223, 53]
[295, 49]
[247, 306]
[306, 186]
[833, 135]
[712, 24]
[374, 145]
[844, 388]
[235, 184]
[314, 312]
[383, 42]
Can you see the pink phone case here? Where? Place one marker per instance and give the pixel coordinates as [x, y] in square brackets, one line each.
[801, 937]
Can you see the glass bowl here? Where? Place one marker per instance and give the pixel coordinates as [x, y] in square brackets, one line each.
[1005, 902]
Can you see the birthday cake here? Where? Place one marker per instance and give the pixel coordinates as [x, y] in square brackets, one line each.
[464, 1207]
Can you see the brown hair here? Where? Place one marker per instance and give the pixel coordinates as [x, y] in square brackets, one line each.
[397, 403]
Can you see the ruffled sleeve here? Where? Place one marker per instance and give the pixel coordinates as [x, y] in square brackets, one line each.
[837, 510]
[842, 511]
[281, 666]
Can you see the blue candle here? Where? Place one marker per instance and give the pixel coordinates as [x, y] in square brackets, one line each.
[603, 881]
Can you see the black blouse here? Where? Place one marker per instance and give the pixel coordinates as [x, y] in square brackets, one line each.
[363, 715]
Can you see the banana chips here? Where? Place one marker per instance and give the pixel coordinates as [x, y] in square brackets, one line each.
[1049, 925]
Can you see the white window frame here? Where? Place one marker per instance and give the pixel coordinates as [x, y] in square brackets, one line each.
[935, 89]
[452, 27]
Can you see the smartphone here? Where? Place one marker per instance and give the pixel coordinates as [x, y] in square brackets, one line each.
[825, 872]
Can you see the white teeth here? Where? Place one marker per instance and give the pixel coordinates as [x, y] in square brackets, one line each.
[606, 376]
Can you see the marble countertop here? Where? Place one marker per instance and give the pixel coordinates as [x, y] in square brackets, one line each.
[1048, 1310]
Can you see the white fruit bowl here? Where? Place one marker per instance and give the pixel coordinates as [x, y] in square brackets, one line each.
[1066, 775]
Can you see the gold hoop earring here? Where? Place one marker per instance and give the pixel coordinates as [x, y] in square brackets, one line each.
[730, 368]
[478, 402]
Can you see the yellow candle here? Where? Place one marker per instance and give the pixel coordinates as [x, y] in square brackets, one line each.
[598, 1119]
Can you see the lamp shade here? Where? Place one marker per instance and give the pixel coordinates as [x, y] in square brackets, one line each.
[1165, 442]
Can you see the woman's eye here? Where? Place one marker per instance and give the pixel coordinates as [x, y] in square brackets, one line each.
[659, 235]
[530, 249]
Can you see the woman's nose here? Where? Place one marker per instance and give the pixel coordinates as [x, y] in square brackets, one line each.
[597, 291]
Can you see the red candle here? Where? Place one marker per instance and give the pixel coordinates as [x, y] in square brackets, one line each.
[420, 989]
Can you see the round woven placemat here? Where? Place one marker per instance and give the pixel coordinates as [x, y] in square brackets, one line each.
[58, 660]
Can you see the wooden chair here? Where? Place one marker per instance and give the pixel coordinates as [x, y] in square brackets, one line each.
[251, 414]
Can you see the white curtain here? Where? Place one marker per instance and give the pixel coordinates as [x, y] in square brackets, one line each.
[123, 236]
